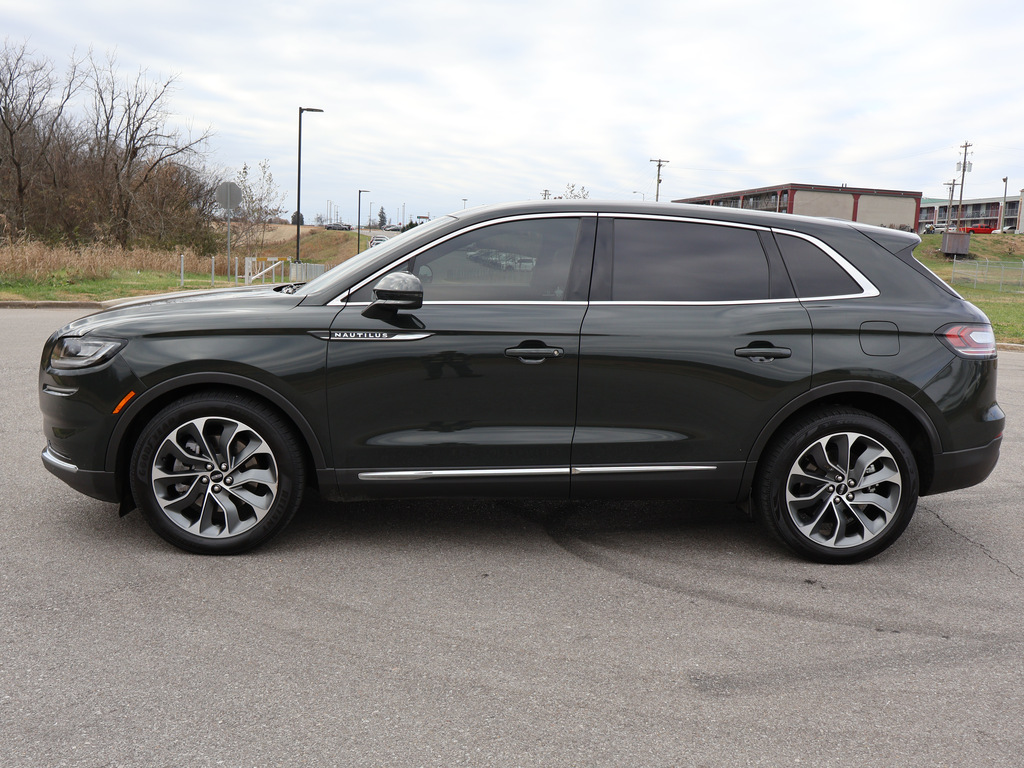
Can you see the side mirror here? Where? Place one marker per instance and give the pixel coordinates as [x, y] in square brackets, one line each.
[398, 290]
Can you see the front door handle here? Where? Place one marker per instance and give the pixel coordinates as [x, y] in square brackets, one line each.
[764, 354]
[534, 355]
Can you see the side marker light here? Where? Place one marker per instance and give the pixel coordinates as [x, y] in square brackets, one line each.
[124, 402]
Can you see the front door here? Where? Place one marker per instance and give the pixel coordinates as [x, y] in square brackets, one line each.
[475, 392]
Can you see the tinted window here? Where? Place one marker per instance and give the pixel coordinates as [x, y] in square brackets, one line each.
[814, 273]
[681, 261]
[525, 260]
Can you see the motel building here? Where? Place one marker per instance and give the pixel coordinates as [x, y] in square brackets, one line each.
[892, 208]
[986, 212]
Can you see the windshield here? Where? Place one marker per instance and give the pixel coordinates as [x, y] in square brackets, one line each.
[354, 264]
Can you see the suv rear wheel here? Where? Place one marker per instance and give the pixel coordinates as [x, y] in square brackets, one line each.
[837, 486]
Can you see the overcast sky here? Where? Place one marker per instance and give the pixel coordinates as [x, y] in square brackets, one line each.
[426, 103]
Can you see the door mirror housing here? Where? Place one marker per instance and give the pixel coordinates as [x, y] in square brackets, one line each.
[393, 292]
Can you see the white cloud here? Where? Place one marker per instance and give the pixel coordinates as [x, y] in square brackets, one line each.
[426, 104]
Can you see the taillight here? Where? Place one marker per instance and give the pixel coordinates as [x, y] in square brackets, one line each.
[969, 340]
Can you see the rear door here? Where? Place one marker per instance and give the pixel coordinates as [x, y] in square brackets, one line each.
[693, 340]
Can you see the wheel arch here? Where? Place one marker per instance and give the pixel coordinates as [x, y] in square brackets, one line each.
[147, 404]
[892, 406]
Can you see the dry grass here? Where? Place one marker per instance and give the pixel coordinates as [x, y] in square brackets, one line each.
[39, 263]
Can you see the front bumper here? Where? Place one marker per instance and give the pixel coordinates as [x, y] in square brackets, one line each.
[98, 484]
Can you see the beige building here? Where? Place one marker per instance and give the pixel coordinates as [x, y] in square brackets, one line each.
[883, 207]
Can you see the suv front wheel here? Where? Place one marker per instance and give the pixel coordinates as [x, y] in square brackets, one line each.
[837, 486]
[217, 473]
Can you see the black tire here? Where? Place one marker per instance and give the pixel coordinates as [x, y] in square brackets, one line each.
[218, 473]
[837, 486]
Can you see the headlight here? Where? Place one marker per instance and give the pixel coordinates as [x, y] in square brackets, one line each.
[82, 352]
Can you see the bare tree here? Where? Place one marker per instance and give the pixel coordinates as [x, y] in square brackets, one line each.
[114, 168]
[33, 101]
[131, 138]
[571, 193]
[261, 202]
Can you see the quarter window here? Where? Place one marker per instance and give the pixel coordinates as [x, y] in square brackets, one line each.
[687, 262]
[814, 272]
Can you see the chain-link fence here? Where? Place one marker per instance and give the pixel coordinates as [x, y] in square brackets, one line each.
[990, 275]
[274, 270]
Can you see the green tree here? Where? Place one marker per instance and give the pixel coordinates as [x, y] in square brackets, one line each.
[382, 218]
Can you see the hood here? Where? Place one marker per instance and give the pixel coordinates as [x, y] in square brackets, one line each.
[181, 311]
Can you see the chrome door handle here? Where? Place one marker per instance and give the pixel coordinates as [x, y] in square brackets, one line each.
[534, 355]
[764, 354]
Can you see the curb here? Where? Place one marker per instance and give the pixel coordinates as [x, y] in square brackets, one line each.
[51, 305]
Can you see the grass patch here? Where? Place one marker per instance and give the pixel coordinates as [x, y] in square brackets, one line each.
[118, 285]
[1004, 310]
[31, 271]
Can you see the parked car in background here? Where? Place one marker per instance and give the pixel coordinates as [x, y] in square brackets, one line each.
[811, 371]
[338, 225]
[391, 228]
[979, 230]
[378, 240]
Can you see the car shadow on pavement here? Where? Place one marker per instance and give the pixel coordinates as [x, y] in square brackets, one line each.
[321, 521]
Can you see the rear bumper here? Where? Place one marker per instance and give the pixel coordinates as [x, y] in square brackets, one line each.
[98, 484]
[962, 469]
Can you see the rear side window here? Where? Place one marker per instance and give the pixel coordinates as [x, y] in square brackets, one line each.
[685, 262]
[814, 273]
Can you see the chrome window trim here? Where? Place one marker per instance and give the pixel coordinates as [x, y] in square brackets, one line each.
[687, 220]
[868, 289]
[737, 303]
[493, 303]
[342, 297]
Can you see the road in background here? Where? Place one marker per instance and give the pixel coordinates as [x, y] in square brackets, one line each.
[501, 633]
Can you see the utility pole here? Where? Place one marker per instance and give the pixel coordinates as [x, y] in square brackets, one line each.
[657, 188]
[949, 208]
[964, 168]
[546, 194]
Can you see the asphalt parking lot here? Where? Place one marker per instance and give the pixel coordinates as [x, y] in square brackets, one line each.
[501, 633]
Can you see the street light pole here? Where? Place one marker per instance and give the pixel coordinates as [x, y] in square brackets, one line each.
[359, 217]
[1002, 211]
[298, 186]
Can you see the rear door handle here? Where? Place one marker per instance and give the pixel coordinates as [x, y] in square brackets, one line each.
[764, 354]
[534, 355]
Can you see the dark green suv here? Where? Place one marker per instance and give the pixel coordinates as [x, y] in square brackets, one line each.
[809, 369]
